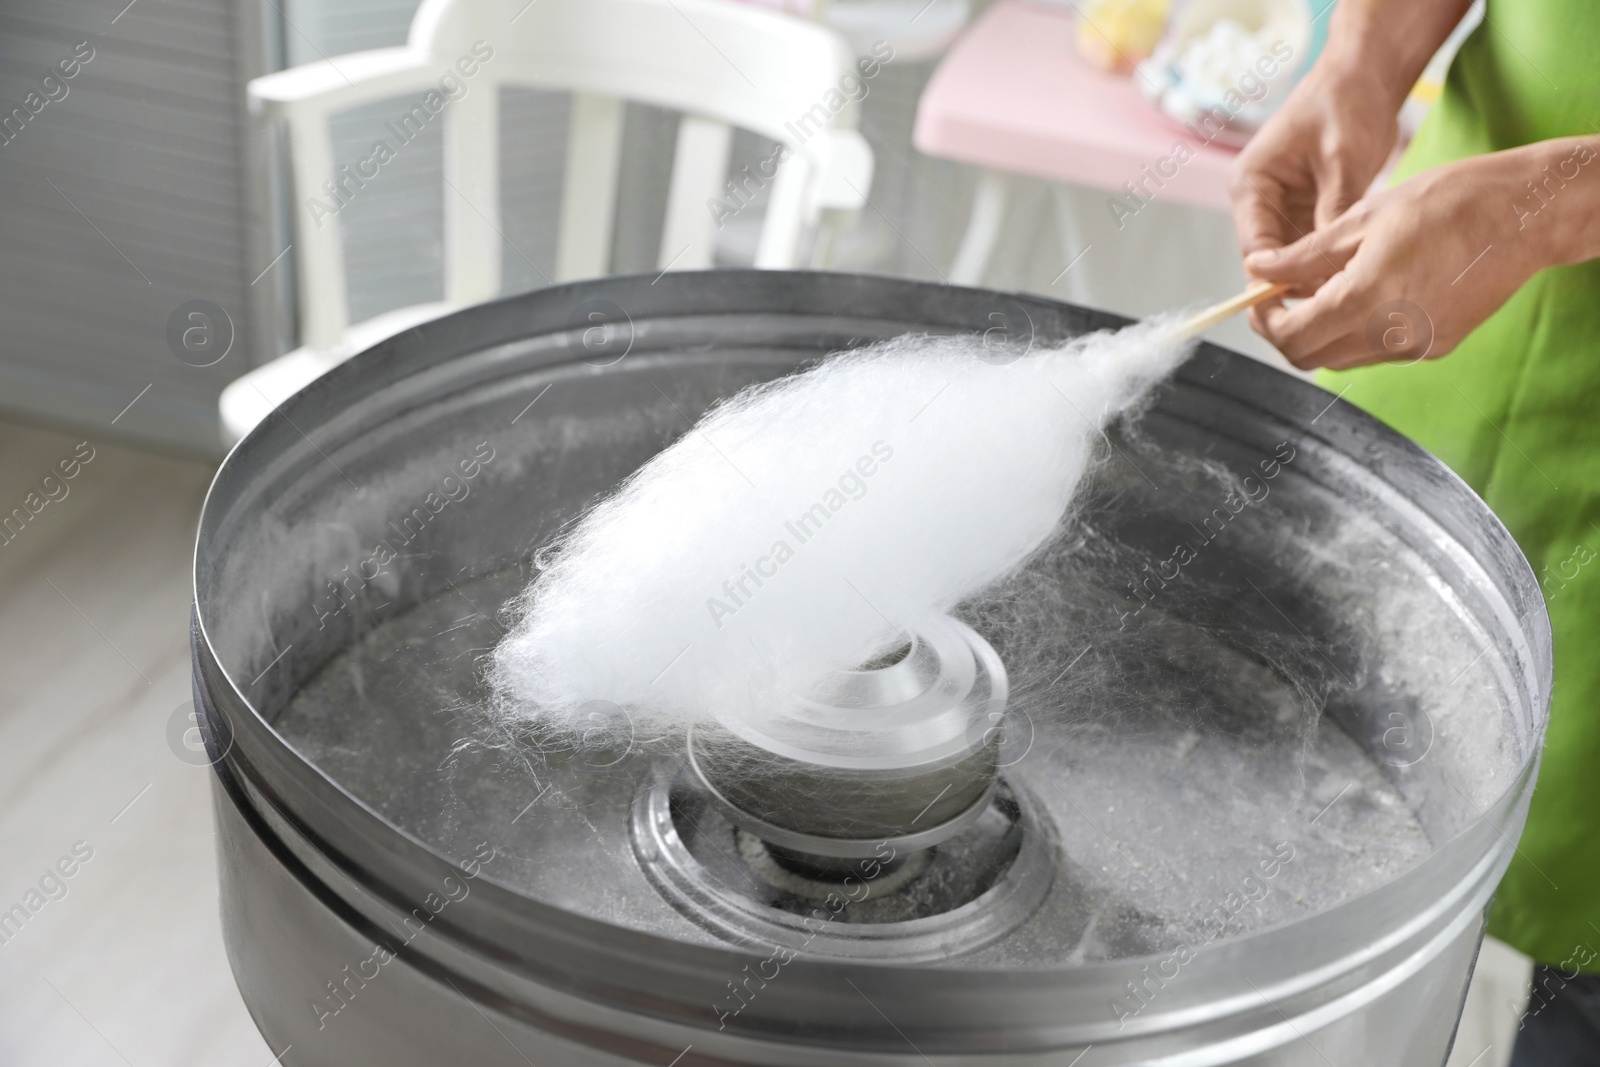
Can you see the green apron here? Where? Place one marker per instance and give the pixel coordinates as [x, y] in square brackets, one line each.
[1516, 412]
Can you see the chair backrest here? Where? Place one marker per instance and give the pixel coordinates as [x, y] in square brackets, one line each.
[722, 65]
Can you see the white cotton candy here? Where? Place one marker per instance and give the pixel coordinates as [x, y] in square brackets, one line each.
[806, 524]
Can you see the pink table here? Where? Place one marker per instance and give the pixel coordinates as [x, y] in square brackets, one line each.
[1012, 96]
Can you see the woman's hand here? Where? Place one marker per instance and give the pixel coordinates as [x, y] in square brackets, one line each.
[1408, 272]
[1320, 152]
[1314, 159]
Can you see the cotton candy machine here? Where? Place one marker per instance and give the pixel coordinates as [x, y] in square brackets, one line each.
[1226, 775]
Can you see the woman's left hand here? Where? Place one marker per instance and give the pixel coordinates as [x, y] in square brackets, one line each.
[1407, 273]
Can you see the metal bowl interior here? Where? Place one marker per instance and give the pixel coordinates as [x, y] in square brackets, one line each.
[1336, 671]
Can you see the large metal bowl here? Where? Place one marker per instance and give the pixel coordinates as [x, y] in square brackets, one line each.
[398, 886]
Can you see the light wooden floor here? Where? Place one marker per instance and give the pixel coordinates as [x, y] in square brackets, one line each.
[128, 968]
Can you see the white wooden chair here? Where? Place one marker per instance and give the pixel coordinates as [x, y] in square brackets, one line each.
[722, 65]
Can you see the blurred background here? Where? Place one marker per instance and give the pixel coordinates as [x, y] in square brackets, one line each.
[197, 219]
[149, 185]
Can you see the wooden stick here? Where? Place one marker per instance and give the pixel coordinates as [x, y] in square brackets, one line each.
[1252, 296]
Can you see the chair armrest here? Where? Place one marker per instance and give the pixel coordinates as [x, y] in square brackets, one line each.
[346, 81]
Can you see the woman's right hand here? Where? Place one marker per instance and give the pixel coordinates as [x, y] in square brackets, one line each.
[1313, 159]
[1325, 146]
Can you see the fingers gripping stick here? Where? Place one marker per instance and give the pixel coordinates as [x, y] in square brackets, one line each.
[1252, 296]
